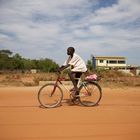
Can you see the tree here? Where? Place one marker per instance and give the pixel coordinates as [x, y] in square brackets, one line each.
[30, 64]
[89, 65]
[5, 52]
[47, 65]
[17, 62]
[5, 59]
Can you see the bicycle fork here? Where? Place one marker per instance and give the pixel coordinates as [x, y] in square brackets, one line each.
[55, 85]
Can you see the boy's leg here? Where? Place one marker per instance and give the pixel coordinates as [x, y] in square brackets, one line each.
[77, 76]
[72, 76]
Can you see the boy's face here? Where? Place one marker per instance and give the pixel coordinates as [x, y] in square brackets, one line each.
[69, 51]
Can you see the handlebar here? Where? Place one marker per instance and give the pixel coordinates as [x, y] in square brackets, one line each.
[59, 78]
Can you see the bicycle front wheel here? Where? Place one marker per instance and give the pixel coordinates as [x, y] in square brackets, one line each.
[48, 97]
[90, 94]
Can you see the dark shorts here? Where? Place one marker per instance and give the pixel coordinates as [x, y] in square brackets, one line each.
[76, 74]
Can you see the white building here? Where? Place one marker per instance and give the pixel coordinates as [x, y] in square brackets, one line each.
[109, 62]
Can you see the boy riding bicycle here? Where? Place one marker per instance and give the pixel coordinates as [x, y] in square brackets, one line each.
[77, 68]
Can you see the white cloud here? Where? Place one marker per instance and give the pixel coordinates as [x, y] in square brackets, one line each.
[123, 12]
[39, 26]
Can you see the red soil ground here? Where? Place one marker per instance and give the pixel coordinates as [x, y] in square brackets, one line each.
[116, 118]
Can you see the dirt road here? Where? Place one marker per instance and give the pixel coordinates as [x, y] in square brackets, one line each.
[116, 118]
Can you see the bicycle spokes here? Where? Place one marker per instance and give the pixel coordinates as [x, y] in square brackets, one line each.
[90, 94]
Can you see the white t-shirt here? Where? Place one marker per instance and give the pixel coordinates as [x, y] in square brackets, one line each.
[77, 62]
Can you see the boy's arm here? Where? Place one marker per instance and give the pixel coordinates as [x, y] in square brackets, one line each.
[63, 67]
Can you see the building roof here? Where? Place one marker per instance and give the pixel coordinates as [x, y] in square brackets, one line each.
[110, 57]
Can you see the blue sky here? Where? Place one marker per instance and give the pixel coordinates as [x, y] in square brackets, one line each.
[45, 28]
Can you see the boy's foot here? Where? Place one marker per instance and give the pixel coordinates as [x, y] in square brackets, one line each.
[75, 96]
[75, 100]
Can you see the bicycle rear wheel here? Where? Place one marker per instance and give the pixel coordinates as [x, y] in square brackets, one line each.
[90, 94]
[48, 99]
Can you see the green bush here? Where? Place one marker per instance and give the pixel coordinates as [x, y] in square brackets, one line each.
[16, 62]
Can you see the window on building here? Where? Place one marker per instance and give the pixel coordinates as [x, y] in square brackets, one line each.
[112, 61]
[101, 61]
[121, 61]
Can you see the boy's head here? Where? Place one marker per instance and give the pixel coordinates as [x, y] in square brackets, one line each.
[70, 51]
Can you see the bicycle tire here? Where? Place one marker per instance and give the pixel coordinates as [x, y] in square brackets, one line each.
[48, 101]
[90, 93]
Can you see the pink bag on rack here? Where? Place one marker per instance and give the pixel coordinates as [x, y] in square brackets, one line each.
[91, 77]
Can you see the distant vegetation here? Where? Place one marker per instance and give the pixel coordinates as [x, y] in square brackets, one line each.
[12, 66]
[16, 62]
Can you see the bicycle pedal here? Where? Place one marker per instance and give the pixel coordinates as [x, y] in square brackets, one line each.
[84, 95]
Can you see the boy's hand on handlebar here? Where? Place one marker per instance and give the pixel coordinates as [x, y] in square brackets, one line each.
[59, 70]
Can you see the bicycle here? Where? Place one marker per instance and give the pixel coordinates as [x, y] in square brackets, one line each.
[90, 93]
